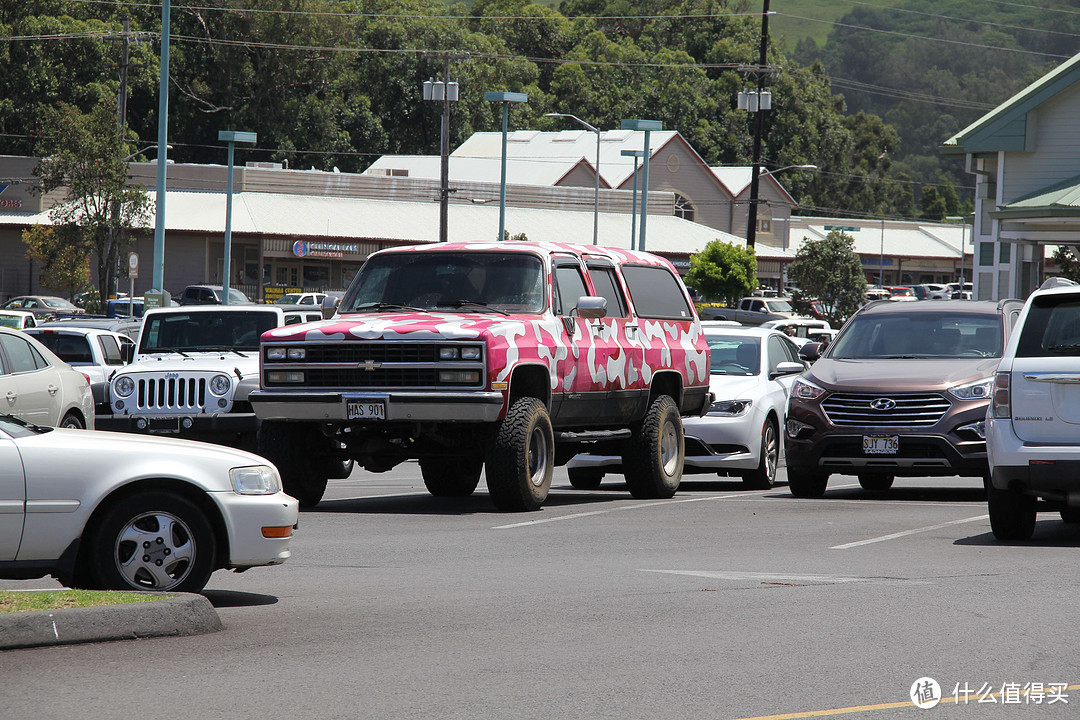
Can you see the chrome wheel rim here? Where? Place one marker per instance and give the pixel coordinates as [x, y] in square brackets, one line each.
[669, 448]
[772, 451]
[538, 457]
[155, 551]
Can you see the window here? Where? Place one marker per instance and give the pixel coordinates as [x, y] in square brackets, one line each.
[684, 208]
[607, 286]
[22, 356]
[110, 349]
[569, 286]
[656, 292]
[986, 253]
[1003, 252]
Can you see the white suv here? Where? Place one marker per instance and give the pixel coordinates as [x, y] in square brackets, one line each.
[1033, 425]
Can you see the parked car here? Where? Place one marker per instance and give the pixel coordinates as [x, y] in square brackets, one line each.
[308, 298]
[875, 292]
[210, 295]
[902, 292]
[751, 370]
[797, 328]
[931, 291]
[122, 512]
[129, 327]
[902, 390]
[958, 293]
[1031, 435]
[38, 387]
[124, 307]
[95, 353]
[17, 319]
[43, 306]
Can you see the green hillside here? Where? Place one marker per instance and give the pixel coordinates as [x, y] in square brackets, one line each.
[788, 26]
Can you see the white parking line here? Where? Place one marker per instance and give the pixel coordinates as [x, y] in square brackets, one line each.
[773, 577]
[905, 533]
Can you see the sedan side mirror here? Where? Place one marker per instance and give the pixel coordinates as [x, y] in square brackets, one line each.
[811, 351]
[787, 368]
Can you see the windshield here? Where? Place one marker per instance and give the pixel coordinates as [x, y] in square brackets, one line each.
[779, 306]
[206, 331]
[918, 335]
[17, 428]
[289, 299]
[462, 281]
[11, 321]
[734, 354]
[55, 302]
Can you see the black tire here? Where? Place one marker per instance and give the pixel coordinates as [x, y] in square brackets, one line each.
[154, 540]
[71, 420]
[764, 476]
[292, 449]
[520, 462]
[1012, 515]
[585, 478]
[806, 484]
[451, 477]
[653, 457]
[875, 482]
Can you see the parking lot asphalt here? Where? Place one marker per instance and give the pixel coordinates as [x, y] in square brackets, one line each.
[175, 615]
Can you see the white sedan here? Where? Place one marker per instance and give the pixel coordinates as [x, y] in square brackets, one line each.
[38, 387]
[751, 373]
[127, 512]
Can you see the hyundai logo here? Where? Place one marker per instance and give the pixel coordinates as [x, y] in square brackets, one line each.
[883, 404]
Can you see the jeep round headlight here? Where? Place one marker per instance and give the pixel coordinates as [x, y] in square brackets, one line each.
[255, 480]
[124, 386]
[220, 384]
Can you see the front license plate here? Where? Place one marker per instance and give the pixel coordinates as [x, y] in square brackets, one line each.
[880, 444]
[365, 410]
[163, 425]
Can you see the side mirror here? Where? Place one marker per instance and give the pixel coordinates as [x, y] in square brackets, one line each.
[330, 307]
[788, 368]
[811, 351]
[591, 307]
[127, 352]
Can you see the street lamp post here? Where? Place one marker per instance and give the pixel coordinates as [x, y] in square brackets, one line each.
[596, 192]
[505, 98]
[232, 137]
[963, 248]
[647, 126]
[158, 281]
[633, 207]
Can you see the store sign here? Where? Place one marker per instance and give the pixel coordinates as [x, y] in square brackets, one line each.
[9, 202]
[304, 248]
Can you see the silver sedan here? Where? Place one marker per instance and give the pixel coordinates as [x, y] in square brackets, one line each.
[751, 373]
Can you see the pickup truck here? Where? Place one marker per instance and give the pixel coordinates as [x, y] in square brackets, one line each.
[506, 358]
[752, 310]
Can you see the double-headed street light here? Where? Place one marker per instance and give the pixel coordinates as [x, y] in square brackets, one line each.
[596, 191]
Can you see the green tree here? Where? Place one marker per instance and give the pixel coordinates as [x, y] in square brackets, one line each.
[1068, 262]
[64, 259]
[83, 153]
[830, 270]
[722, 270]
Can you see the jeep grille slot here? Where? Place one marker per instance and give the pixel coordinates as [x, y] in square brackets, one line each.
[171, 394]
[907, 410]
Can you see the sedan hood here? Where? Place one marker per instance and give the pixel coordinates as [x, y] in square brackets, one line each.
[729, 387]
[900, 374]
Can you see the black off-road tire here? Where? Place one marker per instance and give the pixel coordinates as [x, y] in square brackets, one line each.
[652, 458]
[1071, 516]
[763, 476]
[876, 482]
[1012, 514]
[293, 448]
[806, 484]
[451, 477]
[585, 478]
[521, 459]
[153, 540]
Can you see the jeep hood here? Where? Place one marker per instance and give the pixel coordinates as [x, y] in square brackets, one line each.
[907, 375]
[195, 362]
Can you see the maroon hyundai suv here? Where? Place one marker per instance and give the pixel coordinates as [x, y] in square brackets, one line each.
[902, 390]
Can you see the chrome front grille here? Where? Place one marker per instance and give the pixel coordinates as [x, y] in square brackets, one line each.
[170, 395]
[884, 410]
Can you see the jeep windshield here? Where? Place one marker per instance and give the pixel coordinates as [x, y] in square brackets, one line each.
[457, 281]
[187, 332]
[922, 335]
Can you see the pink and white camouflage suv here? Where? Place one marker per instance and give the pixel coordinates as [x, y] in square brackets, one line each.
[510, 357]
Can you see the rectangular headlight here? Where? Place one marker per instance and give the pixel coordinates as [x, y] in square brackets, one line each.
[448, 353]
[460, 377]
[275, 353]
[285, 376]
[297, 353]
[471, 353]
[255, 480]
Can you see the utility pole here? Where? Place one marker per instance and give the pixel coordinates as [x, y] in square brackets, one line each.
[751, 220]
[445, 91]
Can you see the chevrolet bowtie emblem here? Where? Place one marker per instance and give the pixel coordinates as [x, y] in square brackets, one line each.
[368, 365]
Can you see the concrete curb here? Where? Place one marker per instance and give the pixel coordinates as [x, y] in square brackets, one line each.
[183, 614]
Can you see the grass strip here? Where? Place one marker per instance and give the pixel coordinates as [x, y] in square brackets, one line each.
[24, 601]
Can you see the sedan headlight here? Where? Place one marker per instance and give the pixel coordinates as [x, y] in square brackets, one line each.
[976, 390]
[255, 480]
[124, 386]
[730, 408]
[803, 389]
[220, 384]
